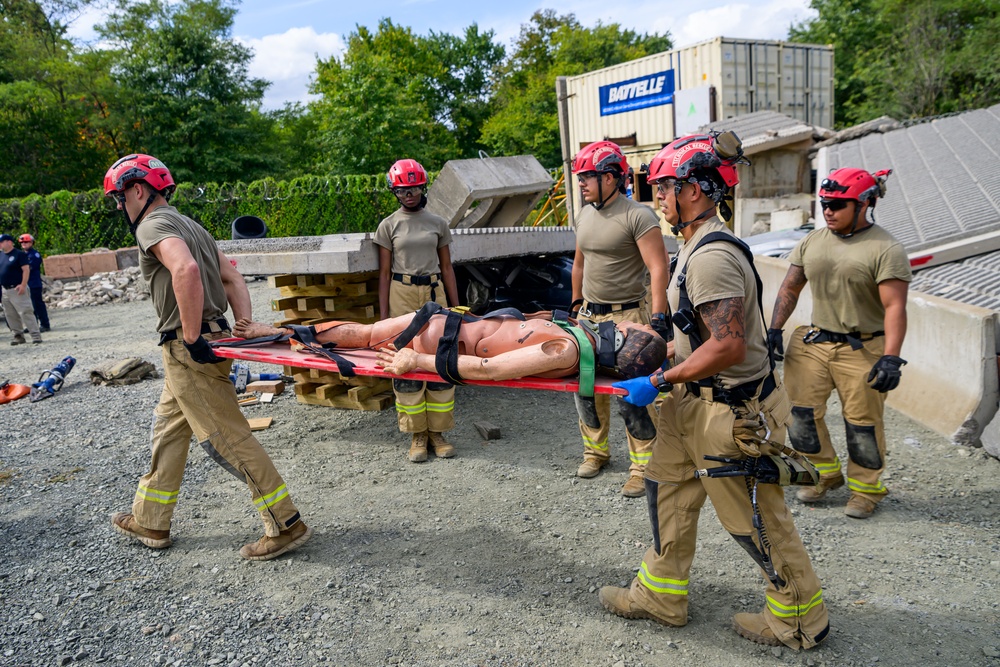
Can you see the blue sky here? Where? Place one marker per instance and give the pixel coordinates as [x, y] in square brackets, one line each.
[287, 37]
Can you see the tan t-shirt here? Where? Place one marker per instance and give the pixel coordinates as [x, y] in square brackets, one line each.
[844, 274]
[166, 222]
[413, 238]
[613, 270]
[719, 270]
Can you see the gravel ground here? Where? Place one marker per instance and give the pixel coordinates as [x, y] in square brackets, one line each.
[492, 558]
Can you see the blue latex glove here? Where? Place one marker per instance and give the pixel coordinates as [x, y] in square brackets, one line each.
[640, 390]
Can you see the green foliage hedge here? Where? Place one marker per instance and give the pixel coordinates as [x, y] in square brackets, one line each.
[64, 222]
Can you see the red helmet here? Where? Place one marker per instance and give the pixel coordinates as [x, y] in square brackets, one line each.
[138, 167]
[853, 183]
[683, 157]
[602, 157]
[406, 173]
[25, 238]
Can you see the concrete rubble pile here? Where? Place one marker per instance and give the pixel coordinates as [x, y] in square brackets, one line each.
[109, 287]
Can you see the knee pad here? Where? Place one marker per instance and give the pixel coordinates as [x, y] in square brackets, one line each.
[407, 386]
[438, 386]
[637, 420]
[802, 431]
[862, 446]
[654, 516]
[587, 409]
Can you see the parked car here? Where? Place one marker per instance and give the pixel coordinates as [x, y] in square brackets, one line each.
[530, 284]
[777, 244]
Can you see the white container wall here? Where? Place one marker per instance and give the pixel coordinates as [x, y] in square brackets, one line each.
[633, 102]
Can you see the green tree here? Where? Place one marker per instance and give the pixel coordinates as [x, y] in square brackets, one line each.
[907, 59]
[547, 47]
[184, 92]
[45, 112]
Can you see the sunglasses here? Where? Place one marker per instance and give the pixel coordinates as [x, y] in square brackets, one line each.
[119, 197]
[834, 204]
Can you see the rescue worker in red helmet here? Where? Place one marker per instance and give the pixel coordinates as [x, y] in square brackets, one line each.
[723, 399]
[414, 267]
[192, 284]
[859, 276]
[35, 285]
[618, 241]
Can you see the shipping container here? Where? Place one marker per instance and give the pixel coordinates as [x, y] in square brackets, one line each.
[644, 104]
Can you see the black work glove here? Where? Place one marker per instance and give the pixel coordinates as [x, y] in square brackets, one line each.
[885, 373]
[776, 343]
[201, 352]
[662, 327]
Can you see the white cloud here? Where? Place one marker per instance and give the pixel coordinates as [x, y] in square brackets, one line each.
[288, 59]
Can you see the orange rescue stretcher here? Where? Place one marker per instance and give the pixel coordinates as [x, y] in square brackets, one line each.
[364, 364]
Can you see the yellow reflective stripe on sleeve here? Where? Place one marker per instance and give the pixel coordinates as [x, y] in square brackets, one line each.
[861, 487]
[157, 496]
[662, 584]
[788, 611]
[640, 458]
[411, 409]
[440, 407]
[602, 446]
[271, 499]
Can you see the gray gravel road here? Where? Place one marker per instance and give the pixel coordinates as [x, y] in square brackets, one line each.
[492, 558]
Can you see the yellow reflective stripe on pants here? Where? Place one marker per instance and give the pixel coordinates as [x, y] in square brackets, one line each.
[640, 458]
[788, 611]
[827, 468]
[861, 487]
[662, 584]
[602, 446]
[271, 498]
[157, 496]
[440, 407]
[411, 409]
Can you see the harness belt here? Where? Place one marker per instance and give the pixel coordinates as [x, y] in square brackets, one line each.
[446, 357]
[587, 366]
[853, 338]
[416, 280]
[740, 393]
[608, 308]
[213, 326]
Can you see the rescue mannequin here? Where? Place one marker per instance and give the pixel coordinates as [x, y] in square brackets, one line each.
[499, 348]
[191, 285]
[859, 276]
[721, 390]
[415, 267]
[618, 243]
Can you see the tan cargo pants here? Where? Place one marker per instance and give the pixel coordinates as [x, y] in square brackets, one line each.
[690, 427]
[812, 372]
[199, 399]
[420, 406]
[595, 437]
[20, 314]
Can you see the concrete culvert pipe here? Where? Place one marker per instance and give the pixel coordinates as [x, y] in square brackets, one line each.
[249, 227]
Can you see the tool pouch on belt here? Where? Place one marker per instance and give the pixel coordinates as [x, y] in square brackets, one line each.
[126, 371]
[777, 463]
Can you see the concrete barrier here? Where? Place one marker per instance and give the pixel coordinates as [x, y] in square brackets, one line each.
[950, 383]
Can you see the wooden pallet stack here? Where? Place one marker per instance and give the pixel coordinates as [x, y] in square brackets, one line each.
[311, 299]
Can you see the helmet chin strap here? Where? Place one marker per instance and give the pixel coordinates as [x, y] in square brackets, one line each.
[676, 229]
[133, 226]
[600, 193]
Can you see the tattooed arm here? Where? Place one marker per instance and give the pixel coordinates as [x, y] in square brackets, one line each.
[788, 296]
[726, 344]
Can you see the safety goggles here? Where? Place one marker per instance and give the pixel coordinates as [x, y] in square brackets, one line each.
[587, 175]
[408, 192]
[119, 197]
[834, 204]
[666, 186]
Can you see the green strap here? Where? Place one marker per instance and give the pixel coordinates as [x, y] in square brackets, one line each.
[587, 366]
